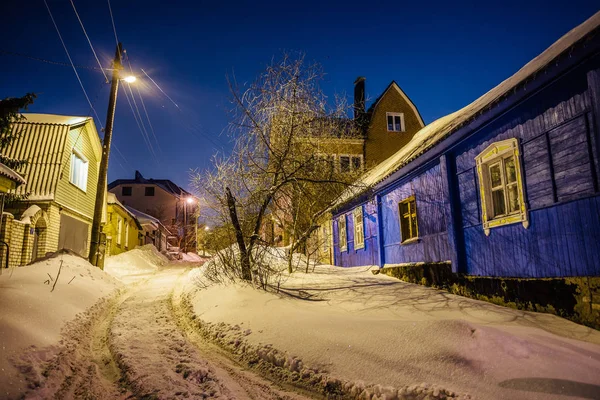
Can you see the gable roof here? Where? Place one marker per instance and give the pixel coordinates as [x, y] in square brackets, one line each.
[434, 133]
[112, 199]
[394, 85]
[165, 184]
[42, 141]
[144, 218]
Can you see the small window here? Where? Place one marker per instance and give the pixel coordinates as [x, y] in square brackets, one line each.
[344, 163]
[325, 236]
[407, 211]
[79, 171]
[500, 185]
[119, 230]
[126, 191]
[343, 233]
[126, 234]
[357, 162]
[149, 191]
[359, 229]
[395, 122]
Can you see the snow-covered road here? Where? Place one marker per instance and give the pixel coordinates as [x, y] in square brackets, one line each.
[139, 345]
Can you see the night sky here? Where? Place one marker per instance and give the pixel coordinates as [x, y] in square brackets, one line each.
[443, 55]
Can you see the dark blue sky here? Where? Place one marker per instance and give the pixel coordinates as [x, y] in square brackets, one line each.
[443, 54]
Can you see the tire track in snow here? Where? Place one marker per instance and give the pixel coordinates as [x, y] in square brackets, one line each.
[159, 359]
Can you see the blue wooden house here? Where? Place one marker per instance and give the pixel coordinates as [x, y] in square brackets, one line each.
[508, 186]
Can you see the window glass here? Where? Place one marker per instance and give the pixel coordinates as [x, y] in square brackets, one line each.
[390, 121]
[511, 172]
[149, 191]
[356, 163]
[398, 123]
[79, 171]
[408, 219]
[496, 175]
[342, 233]
[498, 202]
[126, 191]
[344, 163]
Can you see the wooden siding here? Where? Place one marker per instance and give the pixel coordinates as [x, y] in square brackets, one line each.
[42, 146]
[69, 195]
[432, 244]
[367, 255]
[558, 143]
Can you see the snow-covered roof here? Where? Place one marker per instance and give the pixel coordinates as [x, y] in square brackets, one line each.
[112, 199]
[435, 132]
[12, 175]
[144, 218]
[54, 119]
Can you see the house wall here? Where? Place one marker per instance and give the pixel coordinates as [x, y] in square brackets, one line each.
[111, 230]
[432, 245]
[162, 205]
[367, 255]
[381, 144]
[557, 132]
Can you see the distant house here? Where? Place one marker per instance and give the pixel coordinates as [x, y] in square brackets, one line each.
[160, 198]
[123, 230]
[63, 154]
[507, 187]
[153, 231]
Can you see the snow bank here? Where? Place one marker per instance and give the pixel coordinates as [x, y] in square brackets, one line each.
[369, 330]
[132, 264]
[33, 315]
[191, 257]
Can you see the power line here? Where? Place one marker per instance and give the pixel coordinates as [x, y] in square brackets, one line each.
[70, 60]
[113, 22]
[14, 53]
[156, 84]
[137, 122]
[89, 41]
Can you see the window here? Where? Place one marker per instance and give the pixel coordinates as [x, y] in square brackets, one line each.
[501, 185]
[126, 190]
[407, 210]
[344, 163]
[395, 122]
[342, 233]
[119, 230]
[359, 229]
[79, 171]
[126, 234]
[149, 191]
[325, 236]
[357, 163]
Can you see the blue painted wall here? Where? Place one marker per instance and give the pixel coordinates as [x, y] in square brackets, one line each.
[433, 242]
[367, 255]
[556, 132]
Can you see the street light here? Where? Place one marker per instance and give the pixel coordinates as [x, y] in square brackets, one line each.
[103, 169]
[187, 201]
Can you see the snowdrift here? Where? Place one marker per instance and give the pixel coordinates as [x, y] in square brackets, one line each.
[33, 314]
[134, 263]
[367, 330]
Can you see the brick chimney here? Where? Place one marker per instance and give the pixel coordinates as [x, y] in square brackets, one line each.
[359, 97]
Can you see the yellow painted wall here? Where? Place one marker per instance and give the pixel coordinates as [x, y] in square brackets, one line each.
[114, 212]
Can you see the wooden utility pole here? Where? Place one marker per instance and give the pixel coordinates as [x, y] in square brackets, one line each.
[95, 253]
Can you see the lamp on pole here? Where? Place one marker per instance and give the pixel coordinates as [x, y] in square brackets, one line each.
[187, 201]
[95, 254]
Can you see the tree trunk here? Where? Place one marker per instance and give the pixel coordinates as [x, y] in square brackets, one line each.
[239, 236]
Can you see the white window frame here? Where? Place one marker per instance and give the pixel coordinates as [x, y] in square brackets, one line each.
[119, 229]
[81, 180]
[126, 234]
[395, 114]
[494, 154]
[343, 228]
[359, 228]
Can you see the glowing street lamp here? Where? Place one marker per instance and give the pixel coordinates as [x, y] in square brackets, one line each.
[190, 200]
[130, 79]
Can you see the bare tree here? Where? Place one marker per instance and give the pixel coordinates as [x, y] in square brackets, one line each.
[282, 127]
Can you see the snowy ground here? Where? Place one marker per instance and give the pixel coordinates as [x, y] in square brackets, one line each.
[344, 332]
[373, 329]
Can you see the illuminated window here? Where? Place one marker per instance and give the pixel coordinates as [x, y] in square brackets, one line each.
[79, 170]
[395, 122]
[343, 233]
[359, 229]
[501, 185]
[407, 211]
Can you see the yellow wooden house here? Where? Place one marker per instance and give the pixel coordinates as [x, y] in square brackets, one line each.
[122, 229]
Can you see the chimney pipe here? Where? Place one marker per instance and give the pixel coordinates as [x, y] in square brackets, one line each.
[359, 97]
